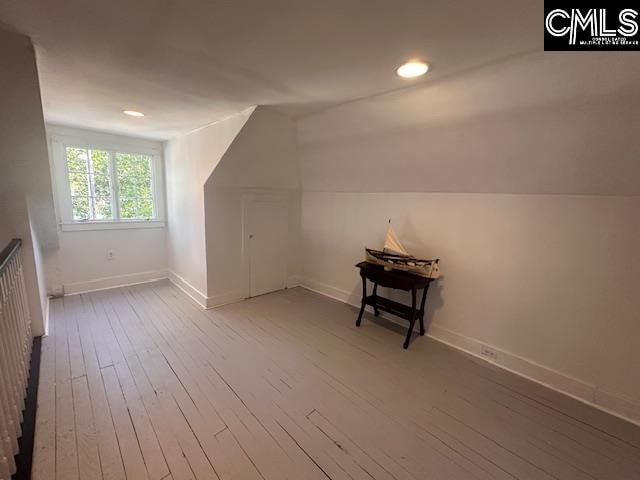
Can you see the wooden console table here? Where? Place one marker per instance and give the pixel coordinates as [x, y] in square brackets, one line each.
[399, 280]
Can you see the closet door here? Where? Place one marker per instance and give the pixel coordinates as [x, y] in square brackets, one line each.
[267, 235]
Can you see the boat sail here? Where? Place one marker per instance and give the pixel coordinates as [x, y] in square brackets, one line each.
[392, 245]
[395, 257]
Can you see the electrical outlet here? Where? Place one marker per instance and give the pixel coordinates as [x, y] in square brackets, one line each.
[110, 255]
[488, 352]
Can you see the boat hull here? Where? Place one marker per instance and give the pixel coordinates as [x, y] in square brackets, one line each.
[423, 267]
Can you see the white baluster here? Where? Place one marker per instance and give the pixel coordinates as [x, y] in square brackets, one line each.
[15, 355]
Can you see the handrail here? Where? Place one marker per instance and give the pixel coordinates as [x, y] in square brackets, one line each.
[8, 252]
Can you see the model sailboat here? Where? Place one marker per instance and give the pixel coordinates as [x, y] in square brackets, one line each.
[394, 257]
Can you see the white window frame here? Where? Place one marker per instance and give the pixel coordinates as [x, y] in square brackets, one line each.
[63, 137]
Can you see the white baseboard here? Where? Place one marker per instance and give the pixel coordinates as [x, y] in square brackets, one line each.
[331, 291]
[617, 405]
[233, 296]
[515, 363]
[195, 294]
[47, 312]
[224, 298]
[112, 282]
[200, 298]
[587, 393]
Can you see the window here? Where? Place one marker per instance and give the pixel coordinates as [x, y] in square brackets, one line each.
[133, 176]
[90, 184]
[109, 185]
[105, 185]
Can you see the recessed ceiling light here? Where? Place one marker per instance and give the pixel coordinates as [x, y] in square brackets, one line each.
[133, 113]
[412, 69]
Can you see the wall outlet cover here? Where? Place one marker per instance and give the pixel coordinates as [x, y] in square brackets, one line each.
[488, 352]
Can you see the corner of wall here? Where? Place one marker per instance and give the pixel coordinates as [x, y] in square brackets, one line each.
[195, 294]
[260, 160]
[577, 389]
[189, 161]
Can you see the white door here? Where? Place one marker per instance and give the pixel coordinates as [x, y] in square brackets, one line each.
[267, 233]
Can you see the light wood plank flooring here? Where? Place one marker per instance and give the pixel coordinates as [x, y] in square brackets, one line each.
[139, 383]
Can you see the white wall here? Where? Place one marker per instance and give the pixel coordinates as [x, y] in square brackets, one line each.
[548, 278]
[537, 224]
[26, 203]
[138, 255]
[261, 160]
[80, 263]
[189, 161]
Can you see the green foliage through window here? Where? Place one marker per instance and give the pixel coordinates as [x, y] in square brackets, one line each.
[134, 179]
[108, 185]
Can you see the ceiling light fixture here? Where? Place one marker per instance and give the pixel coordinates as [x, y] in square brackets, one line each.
[412, 69]
[133, 113]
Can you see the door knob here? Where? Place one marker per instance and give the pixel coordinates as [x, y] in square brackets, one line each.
[250, 236]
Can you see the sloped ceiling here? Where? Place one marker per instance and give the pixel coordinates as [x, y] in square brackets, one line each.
[541, 123]
[263, 155]
[191, 62]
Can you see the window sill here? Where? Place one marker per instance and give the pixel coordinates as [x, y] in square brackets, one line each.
[81, 226]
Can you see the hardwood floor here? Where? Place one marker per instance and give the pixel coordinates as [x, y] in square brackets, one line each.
[139, 383]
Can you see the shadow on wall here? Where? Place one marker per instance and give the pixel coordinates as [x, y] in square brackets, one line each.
[434, 303]
[416, 243]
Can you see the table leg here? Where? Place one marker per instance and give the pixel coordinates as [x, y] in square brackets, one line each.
[412, 318]
[376, 312]
[364, 300]
[422, 303]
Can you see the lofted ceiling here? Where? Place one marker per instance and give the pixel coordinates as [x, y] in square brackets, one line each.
[188, 63]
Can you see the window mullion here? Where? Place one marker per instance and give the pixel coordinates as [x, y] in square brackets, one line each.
[154, 183]
[115, 201]
[92, 193]
[137, 184]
